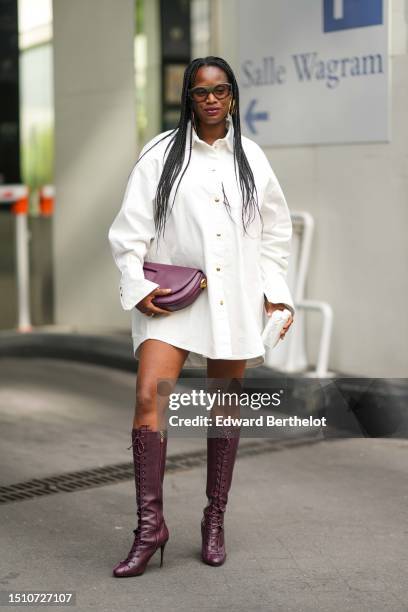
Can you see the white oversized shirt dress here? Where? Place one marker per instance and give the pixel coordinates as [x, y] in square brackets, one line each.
[227, 318]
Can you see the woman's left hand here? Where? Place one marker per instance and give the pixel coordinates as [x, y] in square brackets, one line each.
[270, 308]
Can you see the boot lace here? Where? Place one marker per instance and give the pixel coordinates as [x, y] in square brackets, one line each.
[214, 513]
[138, 447]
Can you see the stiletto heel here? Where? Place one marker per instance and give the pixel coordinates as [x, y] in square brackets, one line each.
[162, 553]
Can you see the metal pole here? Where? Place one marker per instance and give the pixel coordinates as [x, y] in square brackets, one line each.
[23, 273]
[16, 198]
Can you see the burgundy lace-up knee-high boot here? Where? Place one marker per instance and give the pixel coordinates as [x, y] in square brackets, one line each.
[149, 457]
[221, 454]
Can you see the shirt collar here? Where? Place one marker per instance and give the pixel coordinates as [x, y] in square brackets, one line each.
[228, 138]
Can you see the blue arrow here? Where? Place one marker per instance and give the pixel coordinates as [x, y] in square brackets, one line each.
[251, 116]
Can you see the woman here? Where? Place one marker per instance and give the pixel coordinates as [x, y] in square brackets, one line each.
[200, 196]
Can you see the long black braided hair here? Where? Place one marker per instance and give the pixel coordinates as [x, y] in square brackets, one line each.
[175, 159]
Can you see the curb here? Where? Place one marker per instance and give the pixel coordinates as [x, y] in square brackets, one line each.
[362, 406]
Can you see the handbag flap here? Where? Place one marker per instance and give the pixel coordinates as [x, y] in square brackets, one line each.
[167, 275]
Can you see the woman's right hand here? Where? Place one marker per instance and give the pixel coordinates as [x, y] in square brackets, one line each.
[146, 305]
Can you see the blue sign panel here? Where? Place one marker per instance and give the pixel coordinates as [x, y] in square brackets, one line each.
[347, 14]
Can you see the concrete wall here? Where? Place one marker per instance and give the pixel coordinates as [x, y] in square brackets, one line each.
[153, 69]
[95, 150]
[358, 195]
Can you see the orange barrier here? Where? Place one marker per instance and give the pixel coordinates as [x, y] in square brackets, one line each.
[16, 196]
[47, 198]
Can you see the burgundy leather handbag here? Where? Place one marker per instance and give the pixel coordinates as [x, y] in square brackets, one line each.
[185, 283]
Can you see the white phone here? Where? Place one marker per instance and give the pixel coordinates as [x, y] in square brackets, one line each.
[273, 327]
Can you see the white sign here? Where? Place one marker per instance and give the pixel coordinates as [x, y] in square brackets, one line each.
[314, 72]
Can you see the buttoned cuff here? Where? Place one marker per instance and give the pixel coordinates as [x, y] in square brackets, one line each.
[132, 291]
[277, 291]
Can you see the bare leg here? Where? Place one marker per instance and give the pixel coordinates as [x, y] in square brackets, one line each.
[225, 370]
[157, 360]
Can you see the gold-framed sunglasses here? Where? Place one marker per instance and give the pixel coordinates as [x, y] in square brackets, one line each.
[220, 91]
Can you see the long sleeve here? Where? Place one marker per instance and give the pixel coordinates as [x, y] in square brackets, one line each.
[131, 233]
[275, 244]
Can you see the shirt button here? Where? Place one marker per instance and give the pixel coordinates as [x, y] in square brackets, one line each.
[218, 235]
[221, 302]
[218, 269]
[216, 199]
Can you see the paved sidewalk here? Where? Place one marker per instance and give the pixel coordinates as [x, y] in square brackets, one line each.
[316, 527]
[311, 526]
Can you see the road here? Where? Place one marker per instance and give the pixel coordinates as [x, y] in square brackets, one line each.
[311, 524]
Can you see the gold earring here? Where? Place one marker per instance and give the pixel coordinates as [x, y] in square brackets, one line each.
[231, 106]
